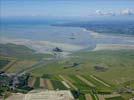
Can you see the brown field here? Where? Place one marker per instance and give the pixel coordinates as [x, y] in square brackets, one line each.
[49, 84]
[101, 97]
[88, 97]
[42, 85]
[16, 96]
[45, 84]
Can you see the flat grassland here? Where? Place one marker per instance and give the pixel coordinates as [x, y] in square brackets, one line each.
[107, 70]
[3, 63]
[91, 72]
[16, 58]
[6, 62]
[20, 65]
[118, 65]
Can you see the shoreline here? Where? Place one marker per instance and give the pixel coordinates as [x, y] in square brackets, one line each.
[43, 46]
[113, 47]
[103, 35]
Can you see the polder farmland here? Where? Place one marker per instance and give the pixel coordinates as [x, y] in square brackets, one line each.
[103, 73]
[80, 86]
[98, 75]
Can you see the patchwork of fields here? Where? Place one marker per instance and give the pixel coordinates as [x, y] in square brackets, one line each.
[114, 73]
[81, 85]
[99, 75]
[116, 67]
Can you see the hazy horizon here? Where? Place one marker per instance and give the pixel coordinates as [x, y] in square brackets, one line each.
[71, 9]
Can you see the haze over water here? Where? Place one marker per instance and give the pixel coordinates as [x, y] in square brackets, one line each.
[30, 22]
[58, 34]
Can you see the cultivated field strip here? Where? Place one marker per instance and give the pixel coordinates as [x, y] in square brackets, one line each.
[58, 85]
[88, 97]
[111, 95]
[56, 77]
[37, 83]
[99, 86]
[100, 81]
[45, 84]
[42, 85]
[66, 85]
[31, 81]
[85, 81]
[95, 97]
[49, 85]
[101, 97]
[67, 81]
[78, 83]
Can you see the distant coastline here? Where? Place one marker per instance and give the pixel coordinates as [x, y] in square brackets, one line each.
[67, 37]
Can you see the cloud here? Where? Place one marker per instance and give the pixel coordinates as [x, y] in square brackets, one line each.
[104, 13]
[99, 12]
[115, 13]
[127, 12]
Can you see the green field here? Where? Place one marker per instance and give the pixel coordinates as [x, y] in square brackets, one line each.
[18, 57]
[115, 98]
[21, 65]
[78, 83]
[37, 83]
[119, 69]
[119, 65]
[58, 85]
[109, 71]
[101, 88]
[21, 52]
[3, 63]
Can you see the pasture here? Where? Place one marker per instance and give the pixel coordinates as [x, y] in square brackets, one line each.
[20, 65]
[95, 73]
[114, 68]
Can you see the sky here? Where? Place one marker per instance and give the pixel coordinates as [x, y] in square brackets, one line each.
[66, 8]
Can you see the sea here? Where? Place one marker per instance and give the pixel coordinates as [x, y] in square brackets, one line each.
[65, 34]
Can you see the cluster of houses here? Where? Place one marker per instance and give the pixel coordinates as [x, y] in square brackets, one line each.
[13, 81]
